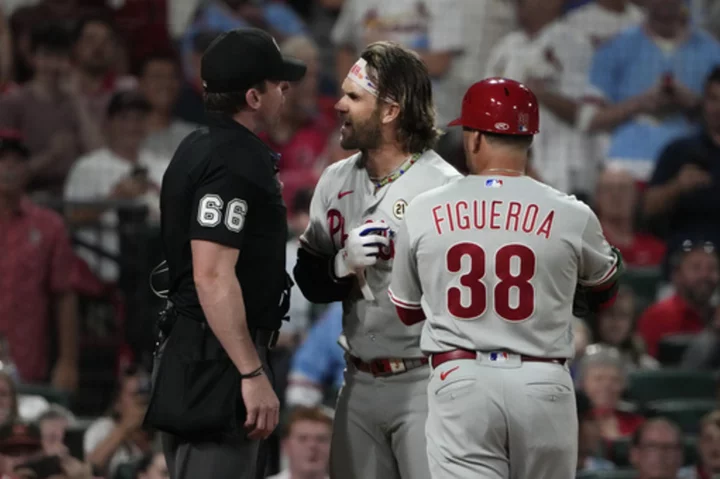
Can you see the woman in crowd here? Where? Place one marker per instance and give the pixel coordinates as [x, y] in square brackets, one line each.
[601, 376]
[616, 327]
[118, 437]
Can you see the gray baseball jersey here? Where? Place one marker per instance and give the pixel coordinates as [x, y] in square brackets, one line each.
[344, 199]
[495, 261]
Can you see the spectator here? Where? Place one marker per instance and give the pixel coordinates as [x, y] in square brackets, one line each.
[645, 83]
[657, 450]
[302, 131]
[44, 113]
[152, 466]
[306, 444]
[433, 28]
[600, 20]
[8, 399]
[121, 171]
[39, 261]
[553, 61]
[223, 15]
[95, 52]
[589, 440]
[602, 377]
[118, 437]
[319, 362]
[695, 277]
[53, 423]
[684, 191]
[615, 204]
[190, 106]
[709, 447]
[703, 352]
[616, 328]
[26, 20]
[19, 443]
[160, 84]
[582, 338]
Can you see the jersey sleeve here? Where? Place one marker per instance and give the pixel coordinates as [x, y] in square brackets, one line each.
[600, 263]
[219, 208]
[316, 239]
[405, 291]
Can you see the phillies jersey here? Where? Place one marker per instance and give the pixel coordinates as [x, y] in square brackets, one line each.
[496, 261]
[344, 199]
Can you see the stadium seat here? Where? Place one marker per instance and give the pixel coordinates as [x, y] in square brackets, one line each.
[619, 451]
[687, 413]
[672, 348]
[644, 283]
[616, 474]
[646, 386]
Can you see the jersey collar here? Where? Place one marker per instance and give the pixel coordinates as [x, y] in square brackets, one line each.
[222, 120]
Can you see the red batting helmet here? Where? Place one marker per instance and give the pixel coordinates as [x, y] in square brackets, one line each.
[500, 105]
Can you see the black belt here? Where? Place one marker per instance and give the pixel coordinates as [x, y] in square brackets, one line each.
[264, 338]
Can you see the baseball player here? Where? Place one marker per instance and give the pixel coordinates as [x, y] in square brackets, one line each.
[346, 255]
[493, 262]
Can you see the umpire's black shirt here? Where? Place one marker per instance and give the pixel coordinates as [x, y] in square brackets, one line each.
[221, 186]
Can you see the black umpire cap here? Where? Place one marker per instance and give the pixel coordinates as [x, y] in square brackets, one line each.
[244, 57]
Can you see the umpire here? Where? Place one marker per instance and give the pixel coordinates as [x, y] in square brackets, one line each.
[224, 228]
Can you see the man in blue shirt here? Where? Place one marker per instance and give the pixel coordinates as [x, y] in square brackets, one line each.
[319, 362]
[646, 83]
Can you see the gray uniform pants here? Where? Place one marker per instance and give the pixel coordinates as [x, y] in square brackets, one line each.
[239, 458]
[379, 426]
[501, 419]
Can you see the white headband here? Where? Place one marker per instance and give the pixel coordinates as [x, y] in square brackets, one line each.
[359, 75]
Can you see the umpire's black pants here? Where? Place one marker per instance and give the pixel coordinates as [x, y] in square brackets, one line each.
[240, 458]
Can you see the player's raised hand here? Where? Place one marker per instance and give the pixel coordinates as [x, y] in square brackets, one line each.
[362, 247]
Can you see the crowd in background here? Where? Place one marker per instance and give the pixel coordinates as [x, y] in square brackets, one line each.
[101, 92]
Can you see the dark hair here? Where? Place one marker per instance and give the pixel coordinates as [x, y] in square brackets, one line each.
[403, 77]
[518, 142]
[229, 103]
[87, 20]
[167, 57]
[713, 77]
[637, 436]
[51, 38]
[681, 251]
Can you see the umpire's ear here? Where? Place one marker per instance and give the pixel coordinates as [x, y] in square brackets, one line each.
[390, 112]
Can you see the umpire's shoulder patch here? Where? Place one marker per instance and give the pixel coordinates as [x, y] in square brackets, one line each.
[399, 209]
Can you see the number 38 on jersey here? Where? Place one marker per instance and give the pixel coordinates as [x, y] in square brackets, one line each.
[510, 270]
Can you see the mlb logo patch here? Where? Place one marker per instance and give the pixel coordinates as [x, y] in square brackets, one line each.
[493, 183]
[498, 356]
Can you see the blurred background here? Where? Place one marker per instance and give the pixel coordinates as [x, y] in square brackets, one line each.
[95, 95]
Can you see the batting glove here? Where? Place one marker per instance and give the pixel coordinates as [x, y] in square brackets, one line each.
[361, 250]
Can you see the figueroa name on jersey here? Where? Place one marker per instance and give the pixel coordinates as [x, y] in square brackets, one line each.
[493, 215]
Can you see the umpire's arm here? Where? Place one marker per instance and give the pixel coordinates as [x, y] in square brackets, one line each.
[217, 229]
